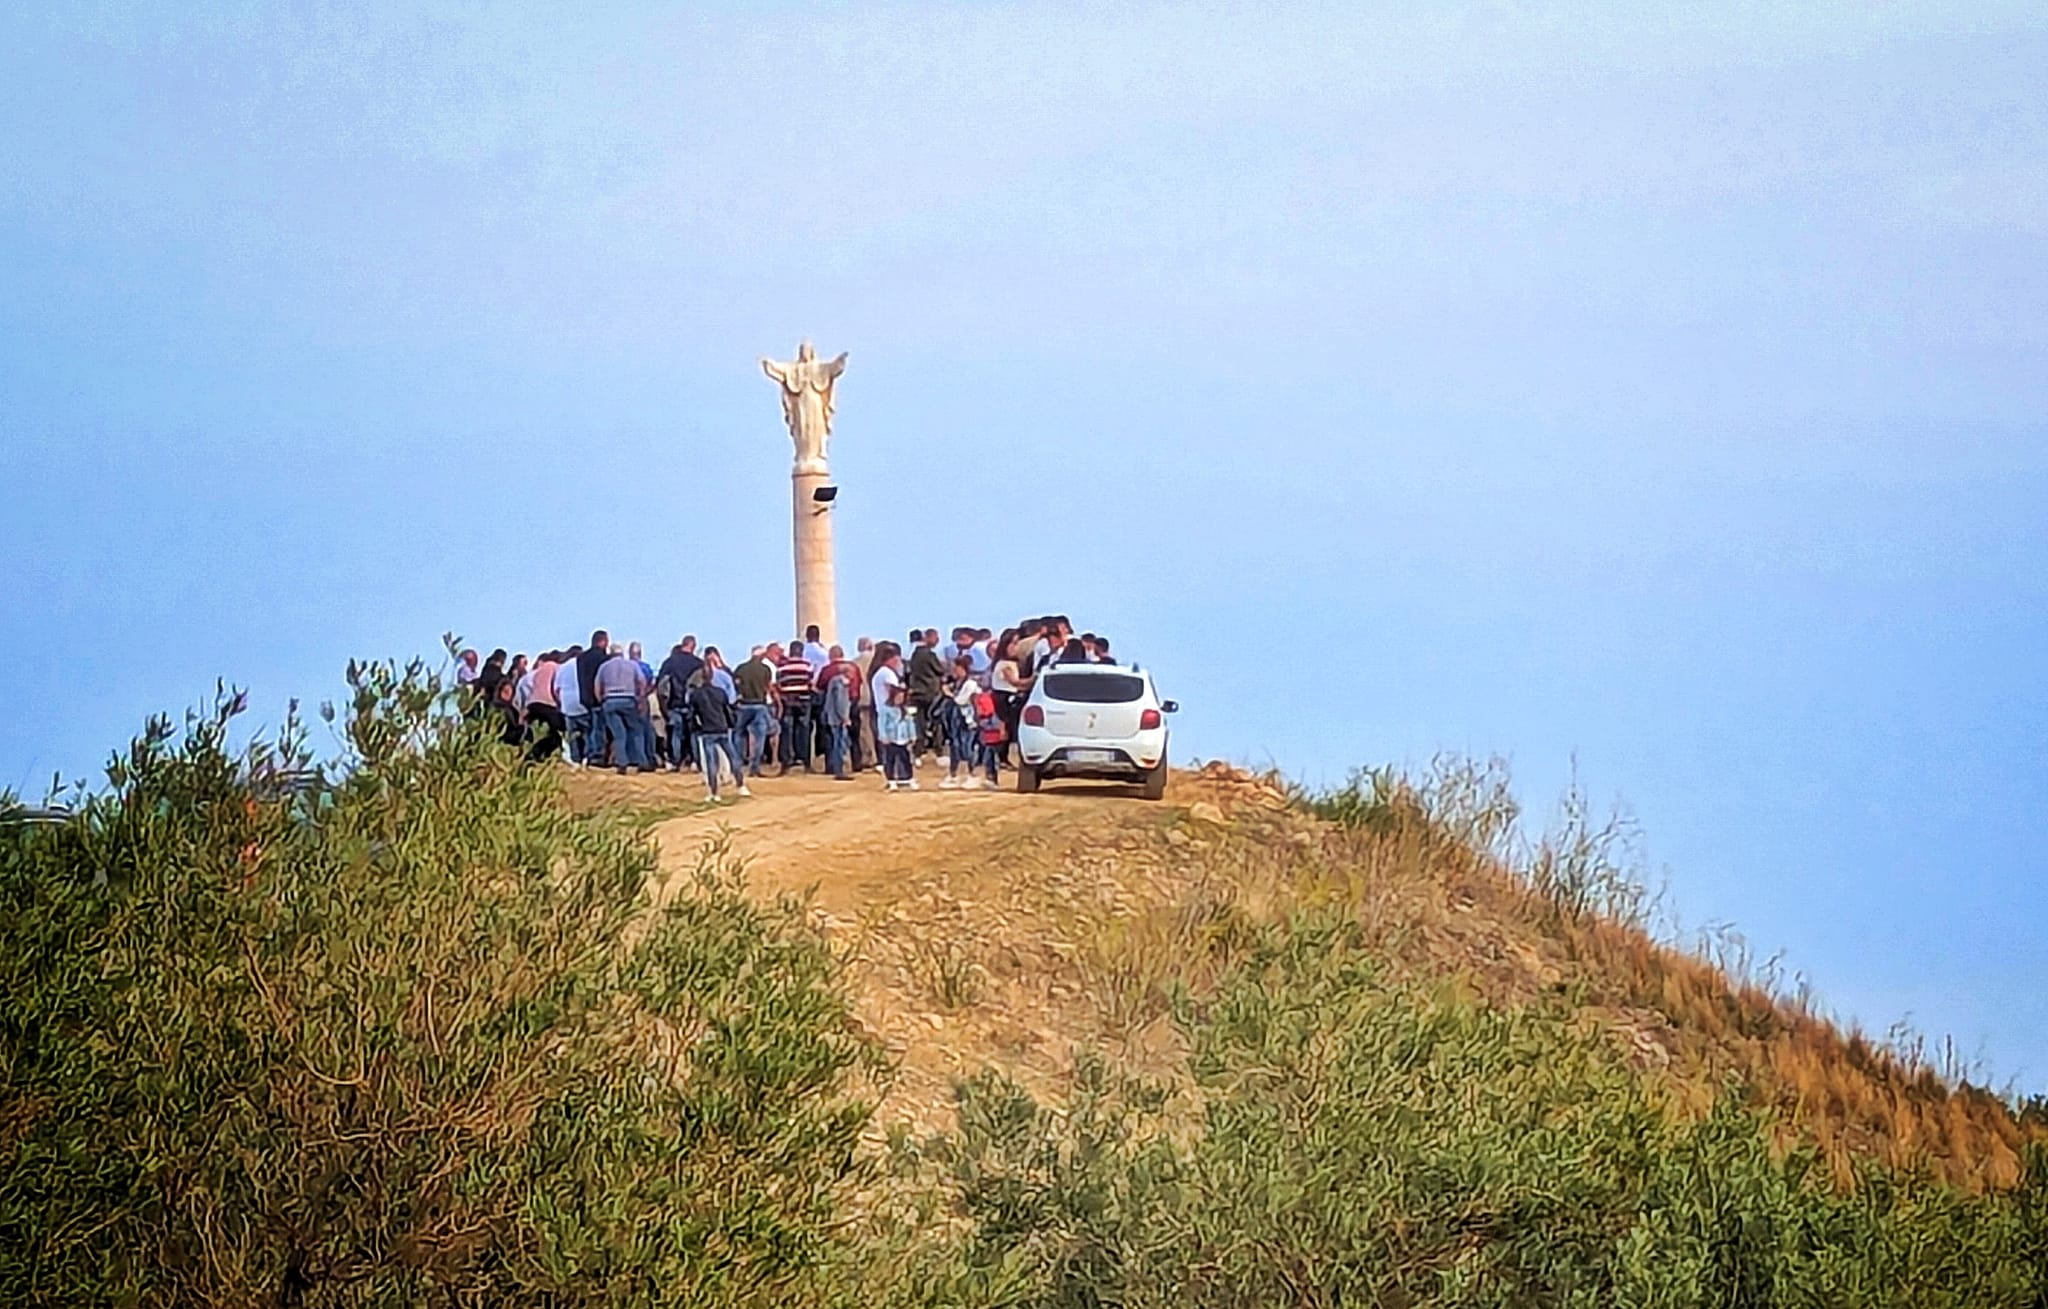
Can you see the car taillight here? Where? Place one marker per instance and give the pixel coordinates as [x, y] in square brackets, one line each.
[1034, 716]
[1149, 720]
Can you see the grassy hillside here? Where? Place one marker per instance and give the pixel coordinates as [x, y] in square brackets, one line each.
[439, 1030]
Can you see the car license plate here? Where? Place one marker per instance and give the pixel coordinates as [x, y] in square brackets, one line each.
[1090, 756]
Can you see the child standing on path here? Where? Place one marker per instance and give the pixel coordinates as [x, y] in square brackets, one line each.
[990, 735]
[963, 728]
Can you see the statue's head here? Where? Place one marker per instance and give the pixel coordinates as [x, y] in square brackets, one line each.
[805, 353]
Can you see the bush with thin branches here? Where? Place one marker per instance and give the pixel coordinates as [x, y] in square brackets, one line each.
[401, 1029]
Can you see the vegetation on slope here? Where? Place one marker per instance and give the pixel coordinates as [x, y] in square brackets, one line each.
[1576, 900]
[381, 1044]
[422, 1033]
[1364, 1141]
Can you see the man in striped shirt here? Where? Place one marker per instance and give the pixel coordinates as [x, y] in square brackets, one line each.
[793, 675]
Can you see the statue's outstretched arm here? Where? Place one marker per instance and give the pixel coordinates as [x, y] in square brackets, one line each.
[837, 366]
[777, 371]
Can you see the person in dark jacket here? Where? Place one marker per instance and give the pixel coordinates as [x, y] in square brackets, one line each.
[925, 680]
[510, 723]
[486, 683]
[587, 664]
[713, 717]
[673, 684]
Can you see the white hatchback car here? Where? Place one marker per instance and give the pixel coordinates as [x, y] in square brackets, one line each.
[1094, 720]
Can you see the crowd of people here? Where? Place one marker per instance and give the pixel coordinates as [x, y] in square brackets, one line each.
[800, 705]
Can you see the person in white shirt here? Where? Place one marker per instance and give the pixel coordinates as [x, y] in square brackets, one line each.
[894, 730]
[1011, 688]
[815, 654]
[569, 699]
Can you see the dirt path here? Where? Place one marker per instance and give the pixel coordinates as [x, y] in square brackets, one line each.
[844, 840]
[937, 901]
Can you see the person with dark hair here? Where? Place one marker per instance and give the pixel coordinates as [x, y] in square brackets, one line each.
[487, 680]
[838, 696]
[962, 691]
[587, 664]
[894, 728]
[511, 728]
[814, 651]
[1037, 645]
[1102, 654]
[713, 718]
[545, 727]
[1073, 652]
[673, 682]
[1010, 686]
[793, 678]
[755, 680]
[926, 679]
[966, 644]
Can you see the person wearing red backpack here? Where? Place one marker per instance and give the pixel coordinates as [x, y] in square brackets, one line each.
[991, 735]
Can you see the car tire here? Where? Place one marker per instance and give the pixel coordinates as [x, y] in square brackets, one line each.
[1027, 778]
[1155, 782]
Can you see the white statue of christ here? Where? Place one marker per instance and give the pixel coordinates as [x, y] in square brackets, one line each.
[807, 384]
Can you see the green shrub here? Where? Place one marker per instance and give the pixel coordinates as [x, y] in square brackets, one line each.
[409, 1031]
[1372, 1143]
[410, 1035]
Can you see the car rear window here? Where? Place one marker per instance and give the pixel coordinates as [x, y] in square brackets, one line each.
[1094, 688]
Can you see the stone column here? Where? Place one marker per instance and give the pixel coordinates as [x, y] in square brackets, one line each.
[807, 383]
[816, 592]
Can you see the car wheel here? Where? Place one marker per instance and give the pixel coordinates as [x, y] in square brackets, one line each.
[1027, 778]
[1155, 782]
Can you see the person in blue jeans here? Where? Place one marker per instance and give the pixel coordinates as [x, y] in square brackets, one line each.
[755, 683]
[643, 710]
[714, 716]
[622, 686]
[988, 747]
[963, 732]
[680, 749]
[673, 682]
[575, 713]
[835, 710]
[619, 715]
[587, 663]
[755, 724]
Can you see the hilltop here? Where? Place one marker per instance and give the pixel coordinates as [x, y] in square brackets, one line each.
[427, 1025]
[989, 930]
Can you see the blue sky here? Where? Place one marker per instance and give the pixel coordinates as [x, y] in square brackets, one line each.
[1664, 386]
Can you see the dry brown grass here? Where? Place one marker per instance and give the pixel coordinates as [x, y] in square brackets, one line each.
[1687, 1022]
[1020, 932]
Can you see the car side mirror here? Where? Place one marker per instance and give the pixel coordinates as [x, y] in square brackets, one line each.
[1169, 706]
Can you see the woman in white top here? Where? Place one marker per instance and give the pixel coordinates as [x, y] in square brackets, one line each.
[894, 730]
[1010, 686]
